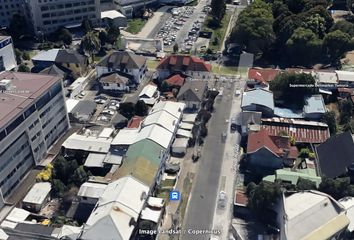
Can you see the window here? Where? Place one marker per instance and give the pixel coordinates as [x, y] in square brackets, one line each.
[15, 124]
[29, 111]
[43, 101]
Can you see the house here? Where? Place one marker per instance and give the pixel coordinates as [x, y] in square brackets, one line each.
[153, 210]
[113, 17]
[265, 152]
[310, 215]
[135, 122]
[179, 146]
[90, 192]
[335, 155]
[37, 196]
[326, 80]
[192, 93]
[261, 76]
[176, 80]
[63, 58]
[189, 65]
[240, 203]
[302, 131]
[115, 82]
[117, 210]
[314, 107]
[149, 94]
[123, 62]
[345, 78]
[249, 121]
[258, 100]
[82, 110]
[7, 54]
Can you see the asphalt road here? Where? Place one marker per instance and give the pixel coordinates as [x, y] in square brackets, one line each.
[200, 210]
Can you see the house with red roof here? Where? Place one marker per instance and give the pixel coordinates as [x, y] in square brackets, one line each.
[176, 80]
[190, 65]
[262, 74]
[267, 153]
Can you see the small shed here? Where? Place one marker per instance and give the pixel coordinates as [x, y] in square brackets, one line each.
[179, 146]
[37, 197]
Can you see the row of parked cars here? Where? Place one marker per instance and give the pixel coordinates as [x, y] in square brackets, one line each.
[109, 110]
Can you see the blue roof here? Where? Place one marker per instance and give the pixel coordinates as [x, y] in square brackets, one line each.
[314, 104]
[287, 113]
[260, 97]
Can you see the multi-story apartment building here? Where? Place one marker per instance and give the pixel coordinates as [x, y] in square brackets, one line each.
[48, 15]
[7, 9]
[33, 116]
[127, 7]
[7, 54]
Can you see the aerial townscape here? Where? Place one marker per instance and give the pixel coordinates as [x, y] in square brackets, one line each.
[176, 119]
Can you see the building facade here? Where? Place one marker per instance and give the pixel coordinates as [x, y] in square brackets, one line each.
[127, 7]
[7, 54]
[7, 9]
[48, 15]
[33, 116]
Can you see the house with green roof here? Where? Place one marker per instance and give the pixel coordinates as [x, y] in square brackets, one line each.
[142, 161]
[292, 176]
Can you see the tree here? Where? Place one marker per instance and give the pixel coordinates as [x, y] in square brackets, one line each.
[91, 44]
[279, 8]
[141, 109]
[218, 9]
[304, 153]
[304, 47]
[112, 34]
[337, 188]
[330, 119]
[86, 25]
[18, 54]
[60, 169]
[59, 188]
[65, 36]
[18, 26]
[254, 28]
[292, 88]
[23, 68]
[103, 36]
[79, 176]
[175, 48]
[26, 56]
[345, 111]
[336, 43]
[165, 87]
[295, 6]
[127, 109]
[344, 26]
[305, 184]
[316, 24]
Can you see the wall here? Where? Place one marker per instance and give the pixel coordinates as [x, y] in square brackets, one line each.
[7, 55]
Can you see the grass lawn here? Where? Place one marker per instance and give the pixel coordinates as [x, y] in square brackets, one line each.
[135, 25]
[226, 70]
[152, 64]
[219, 33]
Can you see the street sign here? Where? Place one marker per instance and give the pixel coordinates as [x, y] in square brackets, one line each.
[175, 196]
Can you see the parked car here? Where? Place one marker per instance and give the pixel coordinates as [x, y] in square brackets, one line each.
[222, 200]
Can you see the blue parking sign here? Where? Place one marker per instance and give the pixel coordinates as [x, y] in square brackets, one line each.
[175, 196]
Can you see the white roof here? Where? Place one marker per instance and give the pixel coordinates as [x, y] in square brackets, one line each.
[155, 202]
[345, 76]
[17, 215]
[71, 103]
[95, 160]
[148, 91]
[71, 232]
[189, 117]
[157, 134]
[150, 214]
[87, 143]
[114, 159]
[161, 118]
[106, 133]
[121, 201]
[49, 55]
[184, 133]
[38, 193]
[180, 142]
[348, 204]
[327, 77]
[126, 136]
[78, 82]
[186, 126]
[3, 235]
[307, 211]
[92, 190]
[111, 14]
[174, 108]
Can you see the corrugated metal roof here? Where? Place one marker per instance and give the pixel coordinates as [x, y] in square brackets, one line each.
[38, 193]
[91, 189]
[260, 97]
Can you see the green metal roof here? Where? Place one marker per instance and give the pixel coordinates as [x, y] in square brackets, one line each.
[293, 176]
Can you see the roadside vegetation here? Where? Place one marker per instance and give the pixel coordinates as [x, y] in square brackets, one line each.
[135, 25]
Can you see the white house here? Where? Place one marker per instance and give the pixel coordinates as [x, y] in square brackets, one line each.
[90, 192]
[7, 54]
[115, 82]
[149, 94]
[37, 196]
[123, 62]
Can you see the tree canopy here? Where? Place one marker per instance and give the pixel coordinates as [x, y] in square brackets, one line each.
[218, 9]
[330, 119]
[90, 44]
[336, 43]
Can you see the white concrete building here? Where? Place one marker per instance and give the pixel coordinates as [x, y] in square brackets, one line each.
[37, 196]
[90, 192]
[149, 94]
[7, 54]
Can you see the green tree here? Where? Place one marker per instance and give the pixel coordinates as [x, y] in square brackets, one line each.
[175, 48]
[79, 176]
[127, 109]
[60, 169]
[103, 36]
[288, 87]
[59, 188]
[218, 9]
[18, 54]
[23, 68]
[254, 28]
[336, 43]
[345, 111]
[295, 6]
[304, 47]
[65, 36]
[305, 184]
[141, 109]
[304, 153]
[26, 56]
[165, 87]
[344, 26]
[330, 119]
[337, 188]
[91, 44]
[279, 8]
[285, 25]
[18, 26]
[112, 34]
[309, 4]
[86, 25]
[316, 24]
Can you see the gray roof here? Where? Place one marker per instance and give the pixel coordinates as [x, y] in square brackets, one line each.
[24, 231]
[114, 78]
[314, 104]
[53, 70]
[250, 117]
[192, 91]
[84, 107]
[122, 59]
[260, 97]
[61, 56]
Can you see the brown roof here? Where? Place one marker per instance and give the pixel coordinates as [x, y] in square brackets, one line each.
[135, 122]
[26, 89]
[240, 198]
[262, 74]
[123, 59]
[192, 91]
[175, 80]
[184, 63]
[114, 78]
[258, 140]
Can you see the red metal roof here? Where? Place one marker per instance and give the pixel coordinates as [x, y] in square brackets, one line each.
[257, 140]
[263, 74]
[240, 198]
[184, 63]
[135, 122]
[175, 80]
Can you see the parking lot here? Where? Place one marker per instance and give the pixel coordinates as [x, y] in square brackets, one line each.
[183, 27]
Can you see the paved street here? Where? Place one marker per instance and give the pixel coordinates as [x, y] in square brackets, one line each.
[200, 210]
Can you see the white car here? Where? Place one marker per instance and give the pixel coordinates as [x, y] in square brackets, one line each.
[108, 112]
[100, 101]
[237, 92]
[222, 200]
[82, 94]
